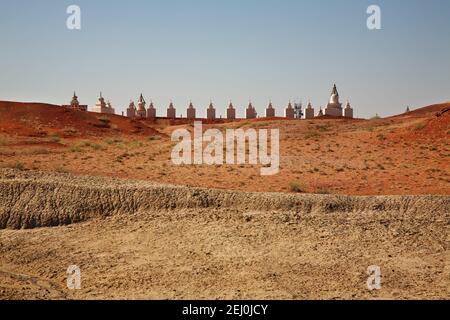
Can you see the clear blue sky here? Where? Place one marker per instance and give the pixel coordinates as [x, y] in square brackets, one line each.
[229, 49]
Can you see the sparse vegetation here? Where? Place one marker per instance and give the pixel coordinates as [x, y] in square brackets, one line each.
[3, 141]
[323, 128]
[54, 137]
[16, 165]
[61, 169]
[104, 122]
[113, 141]
[70, 131]
[96, 146]
[295, 187]
[419, 126]
[38, 151]
[322, 190]
[312, 135]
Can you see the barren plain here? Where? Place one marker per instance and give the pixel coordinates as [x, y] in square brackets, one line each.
[101, 192]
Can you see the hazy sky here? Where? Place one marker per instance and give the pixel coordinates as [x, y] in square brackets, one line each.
[198, 50]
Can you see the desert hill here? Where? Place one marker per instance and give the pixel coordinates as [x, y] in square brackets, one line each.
[40, 119]
[106, 197]
[139, 240]
[402, 155]
[428, 110]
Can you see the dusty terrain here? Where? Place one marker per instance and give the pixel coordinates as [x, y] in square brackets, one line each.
[403, 155]
[101, 192]
[135, 239]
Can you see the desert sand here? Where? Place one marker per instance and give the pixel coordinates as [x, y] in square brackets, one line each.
[404, 155]
[100, 192]
[140, 240]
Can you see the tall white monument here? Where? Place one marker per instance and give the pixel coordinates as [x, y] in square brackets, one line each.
[334, 107]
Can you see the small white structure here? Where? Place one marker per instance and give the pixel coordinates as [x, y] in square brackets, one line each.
[75, 104]
[270, 111]
[289, 112]
[151, 111]
[250, 112]
[231, 112]
[334, 107]
[102, 107]
[141, 111]
[298, 110]
[309, 111]
[131, 110]
[211, 112]
[348, 111]
[171, 111]
[190, 112]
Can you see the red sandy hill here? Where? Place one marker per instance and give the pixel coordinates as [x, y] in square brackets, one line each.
[424, 111]
[40, 119]
[406, 154]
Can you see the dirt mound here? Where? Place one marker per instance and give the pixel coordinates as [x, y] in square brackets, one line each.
[29, 200]
[438, 125]
[40, 119]
[391, 156]
[149, 241]
[424, 111]
[435, 126]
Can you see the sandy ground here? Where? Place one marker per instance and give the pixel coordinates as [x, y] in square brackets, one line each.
[138, 239]
[203, 255]
[217, 251]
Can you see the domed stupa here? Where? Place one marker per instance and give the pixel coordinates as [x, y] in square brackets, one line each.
[211, 112]
[141, 111]
[101, 101]
[309, 111]
[231, 112]
[348, 111]
[250, 112]
[131, 110]
[171, 111]
[74, 103]
[270, 111]
[151, 111]
[102, 107]
[289, 112]
[334, 107]
[190, 112]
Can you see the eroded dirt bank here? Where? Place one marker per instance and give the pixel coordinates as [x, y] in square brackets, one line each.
[139, 240]
[34, 199]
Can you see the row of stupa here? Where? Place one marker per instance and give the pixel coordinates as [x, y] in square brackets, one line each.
[333, 109]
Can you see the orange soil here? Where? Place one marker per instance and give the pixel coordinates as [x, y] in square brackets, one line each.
[405, 154]
[38, 119]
